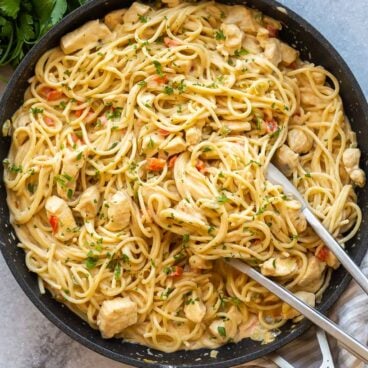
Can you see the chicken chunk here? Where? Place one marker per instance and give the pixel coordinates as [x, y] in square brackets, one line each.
[194, 308]
[299, 141]
[312, 279]
[279, 266]
[118, 211]
[288, 54]
[272, 50]
[200, 263]
[114, 18]
[151, 143]
[193, 135]
[73, 161]
[350, 159]
[85, 36]
[309, 99]
[134, 12]
[185, 216]
[233, 37]
[226, 329]
[251, 44]
[89, 203]
[115, 315]
[286, 160]
[242, 17]
[61, 218]
[296, 216]
[176, 145]
[288, 312]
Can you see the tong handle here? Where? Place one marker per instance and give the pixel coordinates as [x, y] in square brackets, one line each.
[336, 249]
[348, 342]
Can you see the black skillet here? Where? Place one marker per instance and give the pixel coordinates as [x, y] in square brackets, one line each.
[313, 47]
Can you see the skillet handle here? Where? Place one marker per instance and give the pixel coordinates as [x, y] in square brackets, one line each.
[336, 249]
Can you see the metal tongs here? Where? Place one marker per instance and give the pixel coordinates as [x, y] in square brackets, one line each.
[347, 341]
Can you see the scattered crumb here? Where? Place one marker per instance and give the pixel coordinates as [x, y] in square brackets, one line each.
[281, 9]
[213, 354]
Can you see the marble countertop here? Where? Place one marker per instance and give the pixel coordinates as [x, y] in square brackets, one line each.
[29, 340]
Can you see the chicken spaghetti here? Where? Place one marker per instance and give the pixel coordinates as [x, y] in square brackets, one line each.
[138, 162]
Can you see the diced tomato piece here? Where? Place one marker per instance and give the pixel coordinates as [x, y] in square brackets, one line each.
[170, 42]
[161, 79]
[163, 132]
[51, 94]
[49, 121]
[177, 271]
[293, 65]
[322, 253]
[78, 113]
[155, 164]
[172, 162]
[54, 222]
[273, 32]
[76, 139]
[200, 166]
[271, 126]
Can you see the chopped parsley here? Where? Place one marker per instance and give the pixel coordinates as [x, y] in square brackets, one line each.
[219, 35]
[91, 260]
[221, 330]
[142, 83]
[142, 18]
[308, 175]
[31, 187]
[158, 67]
[36, 110]
[117, 271]
[69, 193]
[241, 52]
[115, 113]
[222, 198]
[168, 90]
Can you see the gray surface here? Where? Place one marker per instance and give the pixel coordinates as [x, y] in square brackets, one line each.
[29, 340]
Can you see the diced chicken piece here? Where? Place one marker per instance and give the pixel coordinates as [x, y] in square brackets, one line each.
[319, 78]
[288, 312]
[194, 308]
[226, 329]
[61, 218]
[309, 99]
[242, 17]
[299, 141]
[73, 161]
[325, 255]
[118, 211]
[89, 203]
[286, 160]
[251, 44]
[296, 216]
[134, 12]
[200, 263]
[186, 219]
[85, 36]
[312, 279]
[147, 98]
[238, 126]
[279, 266]
[151, 143]
[114, 18]
[272, 50]
[350, 159]
[233, 37]
[115, 315]
[176, 145]
[193, 135]
[288, 54]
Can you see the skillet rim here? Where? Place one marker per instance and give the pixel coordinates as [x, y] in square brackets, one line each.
[302, 327]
